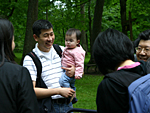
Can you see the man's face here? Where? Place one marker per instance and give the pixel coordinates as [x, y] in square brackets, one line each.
[143, 50]
[45, 39]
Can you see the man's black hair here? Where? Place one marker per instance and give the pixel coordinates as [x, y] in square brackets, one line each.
[41, 24]
[145, 35]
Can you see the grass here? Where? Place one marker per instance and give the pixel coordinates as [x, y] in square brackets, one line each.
[18, 57]
[86, 88]
[87, 58]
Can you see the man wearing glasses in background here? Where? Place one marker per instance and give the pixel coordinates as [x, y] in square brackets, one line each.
[142, 46]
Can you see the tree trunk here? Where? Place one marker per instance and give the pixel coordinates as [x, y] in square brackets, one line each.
[130, 24]
[96, 24]
[123, 16]
[46, 13]
[83, 38]
[83, 33]
[32, 16]
[90, 21]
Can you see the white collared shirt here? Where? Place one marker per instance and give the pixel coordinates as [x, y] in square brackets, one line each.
[51, 67]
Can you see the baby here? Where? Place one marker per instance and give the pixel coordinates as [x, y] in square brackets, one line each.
[72, 54]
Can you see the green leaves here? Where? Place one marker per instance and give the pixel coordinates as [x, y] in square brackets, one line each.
[68, 14]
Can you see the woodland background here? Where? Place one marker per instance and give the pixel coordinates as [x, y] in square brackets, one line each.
[90, 16]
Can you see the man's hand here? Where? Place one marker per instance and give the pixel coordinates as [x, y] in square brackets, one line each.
[70, 70]
[77, 77]
[66, 92]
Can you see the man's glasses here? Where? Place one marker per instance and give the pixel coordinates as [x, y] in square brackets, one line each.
[144, 49]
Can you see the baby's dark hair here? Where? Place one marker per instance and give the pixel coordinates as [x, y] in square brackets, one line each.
[72, 31]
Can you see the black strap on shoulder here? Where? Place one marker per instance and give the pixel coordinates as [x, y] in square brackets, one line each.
[37, 62]
[45, 104]
[58, 49]
[38, 65]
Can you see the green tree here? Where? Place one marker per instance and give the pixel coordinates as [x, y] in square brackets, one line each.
[15, 11]
[123, 16]
[97, 21]
[31, 17]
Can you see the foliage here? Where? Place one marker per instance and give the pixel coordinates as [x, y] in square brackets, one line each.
[111, 16]
[140, 11]
[67, 14]
[15, 11]
[18, 57]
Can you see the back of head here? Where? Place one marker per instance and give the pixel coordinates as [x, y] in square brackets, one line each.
[41, 24]
[6, 37]
[110, 49]
[72, 31]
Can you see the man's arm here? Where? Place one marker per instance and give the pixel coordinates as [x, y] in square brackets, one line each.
[43, 92]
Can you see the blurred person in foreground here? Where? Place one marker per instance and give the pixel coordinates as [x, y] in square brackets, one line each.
[16, 88]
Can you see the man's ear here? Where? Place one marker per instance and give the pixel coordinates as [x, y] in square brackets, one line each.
[35, 37]
[78, 42]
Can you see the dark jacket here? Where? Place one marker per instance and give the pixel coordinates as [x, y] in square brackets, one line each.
[16, 90]
[112, 92]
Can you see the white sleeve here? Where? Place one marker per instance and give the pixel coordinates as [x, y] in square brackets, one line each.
[29, 64]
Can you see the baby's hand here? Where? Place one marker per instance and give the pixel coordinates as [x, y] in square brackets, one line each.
[77, 77]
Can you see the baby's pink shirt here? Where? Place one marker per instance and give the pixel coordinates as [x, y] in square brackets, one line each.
[75, 57]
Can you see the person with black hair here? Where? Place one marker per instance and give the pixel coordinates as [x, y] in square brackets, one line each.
[142, 46]
[114, 55]
[43, 34]
[16, 88]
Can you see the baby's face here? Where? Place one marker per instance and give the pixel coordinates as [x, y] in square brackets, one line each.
[71, 41]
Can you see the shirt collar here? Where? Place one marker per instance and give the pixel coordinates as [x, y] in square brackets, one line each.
[47, 55]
